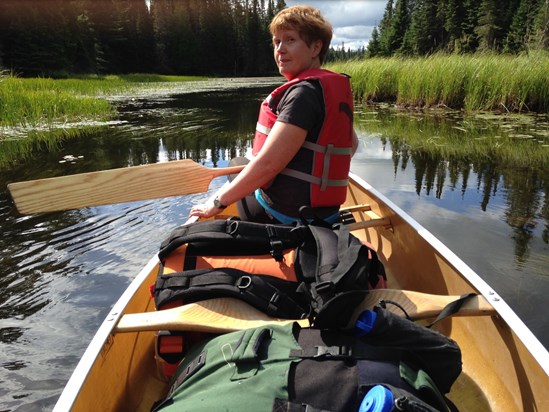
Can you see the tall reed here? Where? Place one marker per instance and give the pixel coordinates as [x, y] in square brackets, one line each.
[471, 82]
[33, 102]
[43, 101]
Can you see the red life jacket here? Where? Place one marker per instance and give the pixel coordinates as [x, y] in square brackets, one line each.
[329, 172]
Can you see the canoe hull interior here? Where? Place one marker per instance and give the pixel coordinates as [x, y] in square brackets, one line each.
[499, 371]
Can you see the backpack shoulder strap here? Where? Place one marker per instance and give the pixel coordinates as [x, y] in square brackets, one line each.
[337, 269]
[276, 297]
[234, 237]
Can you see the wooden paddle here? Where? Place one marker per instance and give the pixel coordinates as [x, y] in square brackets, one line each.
[104, 187]
[228, 314]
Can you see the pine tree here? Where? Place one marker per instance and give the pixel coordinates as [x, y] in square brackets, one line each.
[541, 26]
[374, 46]
[469, 40]
[522, 30]
[399, 25]
[423, 33]
[490, 24]
[453, 24]
[384, 29]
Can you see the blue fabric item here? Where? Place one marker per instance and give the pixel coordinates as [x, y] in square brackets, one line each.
[378, 399]
[365, 322]
[285, 219]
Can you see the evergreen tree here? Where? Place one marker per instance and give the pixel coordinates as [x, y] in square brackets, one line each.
[374, 45]
[522, 29]
[122, 31]
[422, 37]
[399, 25]
[384, 29]
[469, 40]
[34, 38]
[60, 37]
[453, 24]
[490, 24]
[216, 36]
[541, 26]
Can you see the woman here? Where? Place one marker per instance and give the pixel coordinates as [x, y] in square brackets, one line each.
[304, 138]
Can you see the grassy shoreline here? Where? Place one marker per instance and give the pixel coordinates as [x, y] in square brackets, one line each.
[500, 83]
[41, 102]
[487, 82]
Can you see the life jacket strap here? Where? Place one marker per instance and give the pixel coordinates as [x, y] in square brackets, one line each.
[262, 129]
[313, 179]
[328, 150]
[323, 181]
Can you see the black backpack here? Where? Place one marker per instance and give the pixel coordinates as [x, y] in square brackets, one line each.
[334, 269]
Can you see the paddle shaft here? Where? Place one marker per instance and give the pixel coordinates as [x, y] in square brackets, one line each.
[121, 185]
[228, 314]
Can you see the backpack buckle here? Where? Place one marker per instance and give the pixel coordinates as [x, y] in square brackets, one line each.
[324, 287]
[335, 351]
[232, 227]
[243, 282]
[276, 249]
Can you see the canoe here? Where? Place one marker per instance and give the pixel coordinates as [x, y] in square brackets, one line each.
[505, 367]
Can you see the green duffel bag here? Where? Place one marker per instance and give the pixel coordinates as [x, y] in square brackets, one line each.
[289, 368]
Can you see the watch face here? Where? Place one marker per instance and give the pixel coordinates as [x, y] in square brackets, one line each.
[218, 204]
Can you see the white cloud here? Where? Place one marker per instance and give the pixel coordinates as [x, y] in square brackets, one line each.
[353, 20]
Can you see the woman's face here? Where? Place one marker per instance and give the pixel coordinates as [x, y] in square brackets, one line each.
[292, 55]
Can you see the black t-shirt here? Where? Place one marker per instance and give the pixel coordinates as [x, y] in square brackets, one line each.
[302, 105]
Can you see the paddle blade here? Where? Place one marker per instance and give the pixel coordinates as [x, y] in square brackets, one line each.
[104, 187]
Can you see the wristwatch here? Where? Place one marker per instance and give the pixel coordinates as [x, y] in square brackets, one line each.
[218, 204]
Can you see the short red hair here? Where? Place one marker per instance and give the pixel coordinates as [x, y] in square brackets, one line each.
[310, 24]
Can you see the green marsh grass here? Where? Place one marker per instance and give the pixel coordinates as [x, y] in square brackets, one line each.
[493, 82]
[44, 101]
[42, 112]
[33, 102]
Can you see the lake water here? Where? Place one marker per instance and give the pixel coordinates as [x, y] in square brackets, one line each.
[60, 273]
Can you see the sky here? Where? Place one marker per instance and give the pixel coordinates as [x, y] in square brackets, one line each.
[353, 20]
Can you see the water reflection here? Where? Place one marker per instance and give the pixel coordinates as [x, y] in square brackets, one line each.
[508, 155]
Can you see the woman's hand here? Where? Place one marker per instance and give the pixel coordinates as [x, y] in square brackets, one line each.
[205, 210]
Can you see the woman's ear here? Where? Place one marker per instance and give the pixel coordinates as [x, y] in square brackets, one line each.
[316, 47]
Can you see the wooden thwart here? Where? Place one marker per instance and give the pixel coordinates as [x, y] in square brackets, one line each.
[127, 184]
[382, 221]
[365, 210]
[223, 315]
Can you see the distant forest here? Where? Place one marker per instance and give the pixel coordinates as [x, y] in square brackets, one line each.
[423, 27]
[195, 37]
[61, 38]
